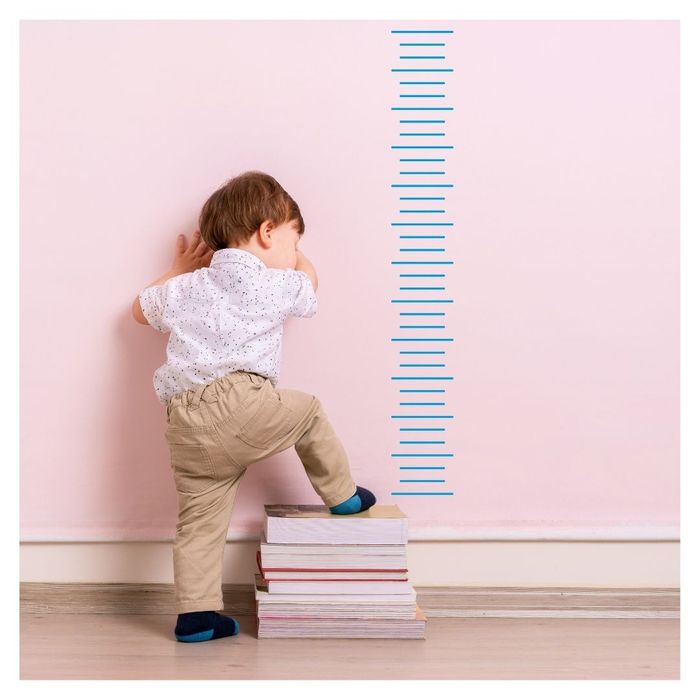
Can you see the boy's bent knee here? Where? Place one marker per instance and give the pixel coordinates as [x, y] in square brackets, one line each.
[301, 404]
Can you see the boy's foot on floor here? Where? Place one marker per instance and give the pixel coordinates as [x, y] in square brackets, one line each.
[203, 626]
[361, 500]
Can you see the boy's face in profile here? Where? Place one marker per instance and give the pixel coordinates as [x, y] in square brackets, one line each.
[279, 245]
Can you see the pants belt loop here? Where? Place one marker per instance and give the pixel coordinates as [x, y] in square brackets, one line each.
[194, 403]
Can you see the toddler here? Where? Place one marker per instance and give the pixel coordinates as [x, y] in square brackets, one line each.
[224, 302]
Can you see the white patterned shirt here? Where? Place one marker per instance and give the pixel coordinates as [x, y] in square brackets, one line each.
[223, 318]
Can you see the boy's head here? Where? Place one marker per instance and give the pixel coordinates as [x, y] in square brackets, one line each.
[253, 212]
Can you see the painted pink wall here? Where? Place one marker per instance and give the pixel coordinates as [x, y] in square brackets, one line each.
[566, 247]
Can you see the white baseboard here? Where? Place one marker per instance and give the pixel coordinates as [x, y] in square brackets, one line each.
[608, 564]
[419, 531]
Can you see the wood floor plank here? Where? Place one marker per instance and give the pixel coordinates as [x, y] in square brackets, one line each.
[108, 646]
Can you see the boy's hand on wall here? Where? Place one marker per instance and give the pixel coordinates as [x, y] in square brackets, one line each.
[191, 257]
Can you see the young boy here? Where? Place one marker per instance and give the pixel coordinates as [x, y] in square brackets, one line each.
[224, 302]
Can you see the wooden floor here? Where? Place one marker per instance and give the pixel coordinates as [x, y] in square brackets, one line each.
[107, 646]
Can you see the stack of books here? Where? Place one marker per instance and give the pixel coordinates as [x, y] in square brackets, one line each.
[326, 575]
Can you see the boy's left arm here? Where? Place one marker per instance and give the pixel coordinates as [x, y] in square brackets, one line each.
[136, 309]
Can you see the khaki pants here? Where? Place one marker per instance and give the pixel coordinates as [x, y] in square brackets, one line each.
[214, 432]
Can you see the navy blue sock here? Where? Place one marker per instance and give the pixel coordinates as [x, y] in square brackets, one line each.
[361, 500]
[203, 626]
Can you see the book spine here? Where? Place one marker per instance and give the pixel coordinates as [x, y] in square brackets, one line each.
[344, 580]
[369, 571]
[343, 587]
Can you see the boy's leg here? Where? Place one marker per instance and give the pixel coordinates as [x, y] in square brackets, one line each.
[319, 448]
[274, 420]
[205, 501]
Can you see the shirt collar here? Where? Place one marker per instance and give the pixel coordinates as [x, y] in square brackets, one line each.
[236, 255]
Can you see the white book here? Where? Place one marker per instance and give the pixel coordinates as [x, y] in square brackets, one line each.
[334, 575]
[358, 628]
[303, 524]
[312, 549]
[323, 595]
[332, 556]
[332, 562]
[374, 612]
[341, 587]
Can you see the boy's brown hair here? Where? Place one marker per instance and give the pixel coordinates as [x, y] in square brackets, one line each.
[235, 211]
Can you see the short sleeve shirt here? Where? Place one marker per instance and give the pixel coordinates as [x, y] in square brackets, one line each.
[223, 318]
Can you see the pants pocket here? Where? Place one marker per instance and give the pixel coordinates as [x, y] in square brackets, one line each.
[191, 460]
[270, 421]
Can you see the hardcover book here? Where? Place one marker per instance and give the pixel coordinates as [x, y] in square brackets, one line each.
[302, 524]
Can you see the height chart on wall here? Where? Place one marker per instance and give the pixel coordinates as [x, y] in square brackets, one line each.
[422, 302]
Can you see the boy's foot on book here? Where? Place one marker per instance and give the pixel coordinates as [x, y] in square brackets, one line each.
[203, 626]
[361, 500]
